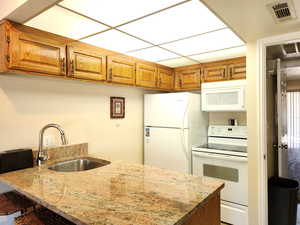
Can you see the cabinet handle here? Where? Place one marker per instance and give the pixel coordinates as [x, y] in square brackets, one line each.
[63, 65]
[202, 76]
[7, 38]
[224, 76]
[156, 82]
[110, 74]
[72, 68]
[231, 72]
[160, 81]
[180, 83]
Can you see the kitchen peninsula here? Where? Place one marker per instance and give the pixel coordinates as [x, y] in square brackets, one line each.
[122, 194]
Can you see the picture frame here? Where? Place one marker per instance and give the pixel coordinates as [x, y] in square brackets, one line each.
[117, 107]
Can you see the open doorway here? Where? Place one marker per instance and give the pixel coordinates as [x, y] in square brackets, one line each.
[293, 133]
[283, 111]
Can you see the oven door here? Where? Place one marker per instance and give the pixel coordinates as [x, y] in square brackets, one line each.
[233, 170]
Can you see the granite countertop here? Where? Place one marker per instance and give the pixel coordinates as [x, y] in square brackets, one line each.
[117, 194]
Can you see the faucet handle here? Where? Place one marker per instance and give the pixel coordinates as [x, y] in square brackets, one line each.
[41, 159]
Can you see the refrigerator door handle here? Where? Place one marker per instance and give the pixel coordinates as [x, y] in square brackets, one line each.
[185, 148]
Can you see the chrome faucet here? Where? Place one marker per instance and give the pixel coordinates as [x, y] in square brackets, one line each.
[42, 153]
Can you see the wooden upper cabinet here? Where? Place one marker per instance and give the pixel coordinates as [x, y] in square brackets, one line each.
[189, 79]
[237, 71]
[35, 53]
[85, 63]
[165, 79]
[146, 75]
[120, 70]
[214, 73]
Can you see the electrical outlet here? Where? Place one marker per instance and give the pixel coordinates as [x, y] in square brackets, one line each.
[48, 140]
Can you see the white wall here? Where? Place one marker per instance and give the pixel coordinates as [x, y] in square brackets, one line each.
[27, 103]
[253, 146]
[221, 118]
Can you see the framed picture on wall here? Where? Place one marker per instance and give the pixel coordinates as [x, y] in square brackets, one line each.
[117, 107]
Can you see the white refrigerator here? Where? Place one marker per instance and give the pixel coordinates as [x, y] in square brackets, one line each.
[173, 123]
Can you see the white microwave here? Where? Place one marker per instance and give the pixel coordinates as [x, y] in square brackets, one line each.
[224, 96]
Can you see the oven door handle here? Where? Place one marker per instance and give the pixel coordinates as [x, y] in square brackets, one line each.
[222, 157]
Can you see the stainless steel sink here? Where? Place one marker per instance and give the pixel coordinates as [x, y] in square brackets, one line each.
[77, 165]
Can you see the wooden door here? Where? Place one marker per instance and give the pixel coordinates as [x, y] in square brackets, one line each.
[190, 79]
[86, 63]
[34, 53]
[120, 70]
[165, 79]
[214, 73]
[146, 75]
[237, 71]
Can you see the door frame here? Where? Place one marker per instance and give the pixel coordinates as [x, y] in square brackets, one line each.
[262, 44]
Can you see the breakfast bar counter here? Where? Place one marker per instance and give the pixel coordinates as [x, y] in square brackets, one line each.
[122, 194]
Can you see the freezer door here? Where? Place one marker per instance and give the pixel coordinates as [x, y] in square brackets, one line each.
[166, 110]
[166, 148]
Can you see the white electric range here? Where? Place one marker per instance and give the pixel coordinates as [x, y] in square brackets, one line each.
[225, 157]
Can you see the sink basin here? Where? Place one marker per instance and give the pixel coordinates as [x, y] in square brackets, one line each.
[77, 165]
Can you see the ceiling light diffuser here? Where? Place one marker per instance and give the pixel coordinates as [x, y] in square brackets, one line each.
[221, 54]
[182, 21]
[153, 54]
[116, 41]
[116, 12]
[182, 61]
[205, 43]
[65, 23]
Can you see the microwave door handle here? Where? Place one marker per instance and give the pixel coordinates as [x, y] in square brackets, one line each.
[222, 157]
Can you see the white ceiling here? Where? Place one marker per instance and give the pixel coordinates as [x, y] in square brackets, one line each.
[66, 24]
[251, 19]
[169, 32]
[8, 6]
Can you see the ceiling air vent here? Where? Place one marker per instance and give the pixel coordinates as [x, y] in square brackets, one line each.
[290, 50]
[282, 10]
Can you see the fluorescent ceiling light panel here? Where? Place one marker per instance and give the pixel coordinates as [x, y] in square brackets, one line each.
[116, 12]
[204, 43]
[116, 41]
[153, 54]
[221, 54]
[182, 21]
[63, 22]
[177, 62]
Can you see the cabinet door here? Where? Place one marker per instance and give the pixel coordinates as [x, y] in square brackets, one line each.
[214, 73]
[190, 79]
[120, 70]
[165, 79]
[86, 64]
[237, 71]
[29, 52]
[146, 75]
